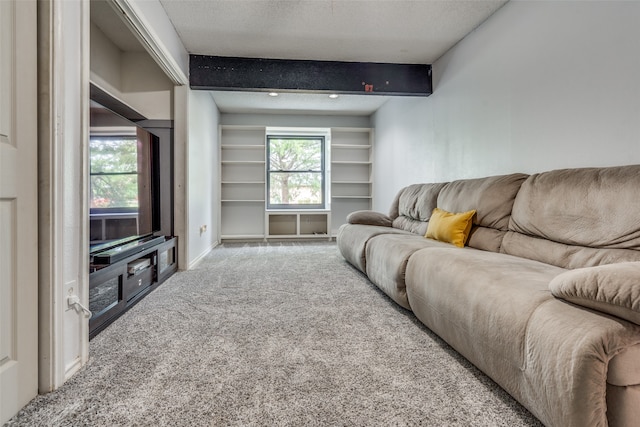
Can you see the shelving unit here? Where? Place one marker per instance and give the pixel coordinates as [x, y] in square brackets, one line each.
[351, 173]
[242, 182]
[243, 214]
[300, 224]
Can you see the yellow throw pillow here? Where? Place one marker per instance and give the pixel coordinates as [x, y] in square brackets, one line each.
[450, 227]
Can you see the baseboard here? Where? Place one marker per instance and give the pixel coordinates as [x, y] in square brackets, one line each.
[193, 263]
[72, 367]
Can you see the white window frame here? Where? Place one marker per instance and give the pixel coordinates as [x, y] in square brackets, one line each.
[301, 132]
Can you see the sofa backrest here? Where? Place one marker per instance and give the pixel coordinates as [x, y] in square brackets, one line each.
[577, 217]
[414, 205]
[492, 198]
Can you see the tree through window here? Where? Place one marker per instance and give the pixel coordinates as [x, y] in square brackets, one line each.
[114, 172]
[295, 172]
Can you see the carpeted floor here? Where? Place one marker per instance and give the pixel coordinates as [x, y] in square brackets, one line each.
[273, 335]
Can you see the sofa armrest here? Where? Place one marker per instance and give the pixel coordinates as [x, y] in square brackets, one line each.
[369, 218]
[613, 289]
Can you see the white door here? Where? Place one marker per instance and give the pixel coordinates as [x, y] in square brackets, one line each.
[18, 207]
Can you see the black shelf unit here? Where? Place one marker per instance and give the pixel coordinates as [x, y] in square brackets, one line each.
[114, 288]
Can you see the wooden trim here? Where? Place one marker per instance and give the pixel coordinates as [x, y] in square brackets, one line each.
[62, 134]
[83, 262]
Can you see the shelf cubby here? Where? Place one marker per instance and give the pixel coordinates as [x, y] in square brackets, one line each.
[242, 217]
[313, 224]
[298, 224]
[282, 225]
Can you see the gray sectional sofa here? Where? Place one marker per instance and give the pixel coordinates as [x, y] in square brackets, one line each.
[545, 296]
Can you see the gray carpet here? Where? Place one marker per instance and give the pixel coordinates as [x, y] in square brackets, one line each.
[273, 335]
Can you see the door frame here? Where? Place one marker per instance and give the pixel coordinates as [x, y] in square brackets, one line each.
[63, 134]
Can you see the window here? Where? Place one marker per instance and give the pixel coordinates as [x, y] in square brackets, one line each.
[296, 172]
[114, 173]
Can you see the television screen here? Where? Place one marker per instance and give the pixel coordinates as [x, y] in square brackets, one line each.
[123, 179]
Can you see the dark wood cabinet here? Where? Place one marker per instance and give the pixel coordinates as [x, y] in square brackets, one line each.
[114, 288]
[138, 282]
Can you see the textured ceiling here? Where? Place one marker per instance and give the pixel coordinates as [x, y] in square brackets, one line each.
[397, 31]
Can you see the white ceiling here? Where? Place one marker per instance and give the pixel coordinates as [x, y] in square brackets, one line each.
[297, 103]
[396, 31]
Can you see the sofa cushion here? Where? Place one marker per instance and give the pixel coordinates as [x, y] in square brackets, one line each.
[560, 254]
[352, 240]
[410, 225]
[450, 227]
[492, 198]
[590, 207]
[387, 256]
[415, 204]
[613, 289]
[485, 238]
[480, 303]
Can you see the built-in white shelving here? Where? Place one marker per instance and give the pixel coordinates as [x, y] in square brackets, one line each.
[242, 182]
[243, 213]
[351, 173]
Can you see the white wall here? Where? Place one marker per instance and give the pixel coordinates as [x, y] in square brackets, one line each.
[132, 77]
[145, 87]
[202, 175]
[538, 86]
[401, 153]
[106, 58]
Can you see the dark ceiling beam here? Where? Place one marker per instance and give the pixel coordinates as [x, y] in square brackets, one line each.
[253, 74]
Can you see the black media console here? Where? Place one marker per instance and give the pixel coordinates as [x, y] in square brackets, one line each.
[122, 276]
[124, 251]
